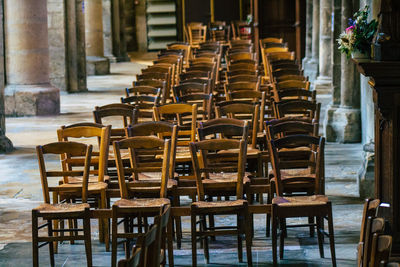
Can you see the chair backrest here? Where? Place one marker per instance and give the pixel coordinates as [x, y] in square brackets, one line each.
[213, 162]
[190, 88]
[142, 90]
[197, 34]
[288, 94]
[223, 128]
[270, 40]
[184, 47]
[291, 158]
[238, 86]
[370, 210]
[242, 66]
[375, 227]
[183, 115]
[155, 248]
[291, 78]
[298, 108]
[145, 242]
[124, 112]
[163, 130]
[292, 84]
[278, 129]
[243, 111]
[73, 150]
[83, 131]
[144, 103]
[204, 103]
[143, 151]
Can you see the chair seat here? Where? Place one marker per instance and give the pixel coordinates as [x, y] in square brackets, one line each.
[300, 200]
[250, 151]
[152, 176]
[92, 179]
[92, 187]
[61, 207]
[225, 177]
[142, 202]
[292, 173]
[151, 184]
[219, 204]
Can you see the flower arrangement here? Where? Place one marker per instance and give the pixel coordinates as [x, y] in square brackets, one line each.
[358, 36]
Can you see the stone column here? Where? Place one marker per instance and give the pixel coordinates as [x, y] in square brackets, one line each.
[330, 132]
[311, 67]
[141, 31]
[5, 143]
[323, 84]
[118, 31]
[28, 90]
[347, 118]
[108, 30]
[308, 48]
[97, 64]
[75, 46]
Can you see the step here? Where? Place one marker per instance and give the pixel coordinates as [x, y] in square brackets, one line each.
[160, 7]
[161, 20]
[152, 32]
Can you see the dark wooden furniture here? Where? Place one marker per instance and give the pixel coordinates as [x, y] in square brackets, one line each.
[62, 211]
[385, 81]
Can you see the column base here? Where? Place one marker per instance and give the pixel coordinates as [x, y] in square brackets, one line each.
[323, 85]
[124, 58]
[31, 100]
[343, 125]
[97, 65]
[311, 69]
[5, 144]
[366, 174]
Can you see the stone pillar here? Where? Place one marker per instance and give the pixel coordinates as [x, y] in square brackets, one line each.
[323, 84]
[107, 30]
[141, 31]
[330, 132]
[5, 143]
[28, 90]
[311, 67]
[75, 46]
[97, 64]
[309, 30]
[347, 118]
[118, 31]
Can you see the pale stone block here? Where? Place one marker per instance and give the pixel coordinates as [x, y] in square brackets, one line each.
[32, 100]
[97, 65]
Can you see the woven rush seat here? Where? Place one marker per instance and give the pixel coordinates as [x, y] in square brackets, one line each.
[224, 177]
[61, 207]
[138, 185]
[288, 173]
[91, 187]
[92, 179]
[250, 151]
[300, 200]
[142, 203]
[152, 176]
[219, 204]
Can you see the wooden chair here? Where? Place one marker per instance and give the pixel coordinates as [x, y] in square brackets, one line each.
[291, 78]
[241, 30]
[290, 84]
[377, 246]
[290, 94]
[144, 103]
[62, 211]
[239, 86]
[270, 40]
[299, 206]
[370, 210]
[219, 31]
[241, 78]
[197, 35]
[241, 66]
[214, 163]
[157, 84]
[98, 180]
[130, 206]
[134, 260]
[203, 101]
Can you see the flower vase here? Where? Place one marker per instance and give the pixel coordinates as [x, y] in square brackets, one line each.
[357, 54]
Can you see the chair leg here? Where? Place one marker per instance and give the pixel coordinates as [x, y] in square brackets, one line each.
[105, 222]
[331, 235]
[247, 232]
[269, 201]
[114, 232]
[71, 233]
[239, 235]
[311, 221]
[178, 223]
[205, 239]
[170, 243]
[320, 234]
[212, 224]
[88, 242]
[282, 238]
[127, 228]
[274, 234]
[51, 245]
[193, 233]
[35, 245]
[55, 223]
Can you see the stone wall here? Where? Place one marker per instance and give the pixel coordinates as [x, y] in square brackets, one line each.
[56, 23]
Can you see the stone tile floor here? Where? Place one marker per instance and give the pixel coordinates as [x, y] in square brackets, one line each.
[20, 191]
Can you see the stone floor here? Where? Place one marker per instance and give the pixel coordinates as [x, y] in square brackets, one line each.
[20, 191]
